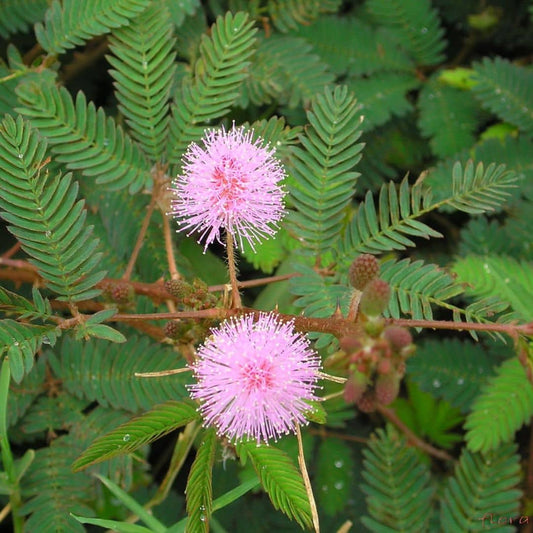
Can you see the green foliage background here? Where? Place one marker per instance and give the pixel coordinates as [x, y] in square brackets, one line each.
[406, 130]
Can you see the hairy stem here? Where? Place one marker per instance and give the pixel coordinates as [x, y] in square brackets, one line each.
[230, 250]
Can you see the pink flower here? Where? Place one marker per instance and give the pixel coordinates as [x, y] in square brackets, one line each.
[254, 378]
[230, 183]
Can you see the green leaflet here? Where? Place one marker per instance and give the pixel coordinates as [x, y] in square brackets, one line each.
[68, 24]
[322, 171]
[397, 485]
[334, 475]
[65, 492]
[213, 86]
[45, 216]
[83, 137]
[199, 485]
[503, 407]
[482, 489]
[503, 277]
[507, 90]
[417, 25]
[286, 70]
[137, 432]
[348, 45]
[281, 480]
[19, 15]
[451, 369]
[449, 117]
[392, 224]
[144, 67]
[103, 371]
[383, 95]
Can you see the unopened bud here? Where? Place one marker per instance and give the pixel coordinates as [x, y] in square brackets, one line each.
[363, 270]
[398, 337]
[367, 402]
[355, 387]
[387, 388]
[375, 297]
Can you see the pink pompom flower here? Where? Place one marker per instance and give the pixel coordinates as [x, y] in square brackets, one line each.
[230, 183]
[254, 378]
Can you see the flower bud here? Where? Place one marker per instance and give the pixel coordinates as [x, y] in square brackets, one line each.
[367, 402]
[397, 337]
[375, 297]
[387, 388]
[355, 387]
[363, 270]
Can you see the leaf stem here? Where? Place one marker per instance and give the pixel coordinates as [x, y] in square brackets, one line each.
[307, 481]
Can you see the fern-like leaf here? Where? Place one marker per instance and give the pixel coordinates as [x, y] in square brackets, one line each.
[54, 491]
[287, 15]
[285, 69]
[383, 95]
[214, 84]
[416, 23]
[19, 15]
[397, 485]
[83, 137]
[483, 486]
[199, 485]
[104, 372]
[416, 286]
[137, 432]
[70, 23]
[449, 116]
[507, 90]
[13, 303]
[143, 61]
[334, 475]
[323, 168]
[391, 225]
[44, 215]
[504, 405]
[281, 480]
[503, 277]
[477, 190]
[348, 45]
[452, 370]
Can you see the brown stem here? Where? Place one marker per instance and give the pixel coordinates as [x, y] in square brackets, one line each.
[390, 415]
[256, 282]
[230, 250]
[140, 239]
[12, 251]
[174, 274]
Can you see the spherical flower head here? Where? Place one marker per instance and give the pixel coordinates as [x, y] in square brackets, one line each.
[230, 183]
[254, 378]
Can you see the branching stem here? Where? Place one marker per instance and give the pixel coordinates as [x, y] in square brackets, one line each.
[307, 481]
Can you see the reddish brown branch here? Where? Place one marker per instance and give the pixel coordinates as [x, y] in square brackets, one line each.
[392, 417]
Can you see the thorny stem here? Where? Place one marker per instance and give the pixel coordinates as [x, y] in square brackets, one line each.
[307, 481]
[354, 305]
[230, 250]
[390, 415]
[142, 234]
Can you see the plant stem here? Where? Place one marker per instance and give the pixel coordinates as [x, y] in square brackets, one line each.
[307, 481]
[390, 415]
[174, 274]
[230, 250]
[140, 239]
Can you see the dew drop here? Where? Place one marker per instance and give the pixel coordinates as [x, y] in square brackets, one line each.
[324, 488]
[106, 142]
[339, 464]
[126, 437]
[339, 485]
[202, 517]
[460, 381]
[48, 233]
[16, 343]
[20, 156]
[45, 340]
[423, 30]
[436, 383]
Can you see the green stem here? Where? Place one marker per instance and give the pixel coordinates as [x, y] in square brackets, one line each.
[7, 457]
